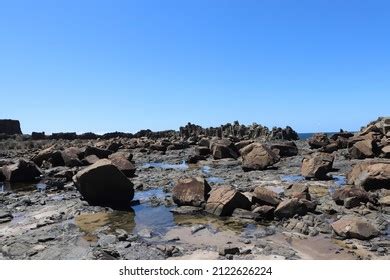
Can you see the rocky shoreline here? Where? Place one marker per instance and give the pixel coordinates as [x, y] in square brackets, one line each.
[233, 192]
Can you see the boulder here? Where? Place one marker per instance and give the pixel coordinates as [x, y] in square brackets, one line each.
[114, 146]
[287, 149]
[51, 155]
[332, 147]
[342, 134]
[224, 148]
[386, 151]
[122, 154]
[100, 153]
[258, 156]
[204, 142]
[354, 227]
[178, 146]
[263, 196]
[351, 197]
[242, 144]
[193, 159]
[91, 159]
[300, 191]
[202, 151]
[318, 140]
[22, 171]
[370, 175]
[191, 192]
[104, 184]
[158, 147]
[265, 211]
[363, 149]
[71, 157]
[10, 127]
[385, 201]
[127, 167]
[294, 206]
[224, 200]
[317, 166]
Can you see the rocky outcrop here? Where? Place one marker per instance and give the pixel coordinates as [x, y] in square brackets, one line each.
[364, 149]
[354, 227]
[317, 166]
[103, 184]
[10, 127]
[370, 175]
[22, 171]
[257, 156]
[287, 133]
[225, 199]
[238, 130]
[371, 140]
[191, 192]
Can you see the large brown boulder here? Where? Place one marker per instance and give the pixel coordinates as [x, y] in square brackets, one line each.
[258, 156]
[191, 192]
[71, 157]
[224, 148]
[124, 165]
[22, 171]
[51, 155]
[100, 153]
[317, 166]
[363, 149]
[202, 151]
[122, 154]
[10, 127]
[264, 196]
[370, 175]
[104, 184]
[354, 227]
[294, 206]
[318, 140]
[225, 199]
[386, 151]
[300, 191]
[351, 197]
[287, 149]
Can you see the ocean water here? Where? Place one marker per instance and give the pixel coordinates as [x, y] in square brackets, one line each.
[305, 136]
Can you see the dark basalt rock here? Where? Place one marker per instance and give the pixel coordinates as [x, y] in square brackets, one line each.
[10, 127]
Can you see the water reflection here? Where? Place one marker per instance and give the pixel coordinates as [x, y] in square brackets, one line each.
[167, 166]
[292, 178]
[143, 216]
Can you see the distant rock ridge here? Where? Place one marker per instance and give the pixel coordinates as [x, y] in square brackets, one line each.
[235, 130]
[240, 131]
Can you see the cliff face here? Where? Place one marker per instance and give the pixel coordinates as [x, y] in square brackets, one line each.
[10, 127]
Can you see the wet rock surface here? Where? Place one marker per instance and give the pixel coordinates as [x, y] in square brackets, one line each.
[218, 211]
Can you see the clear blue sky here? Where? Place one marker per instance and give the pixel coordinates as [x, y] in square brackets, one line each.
[317, 65]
